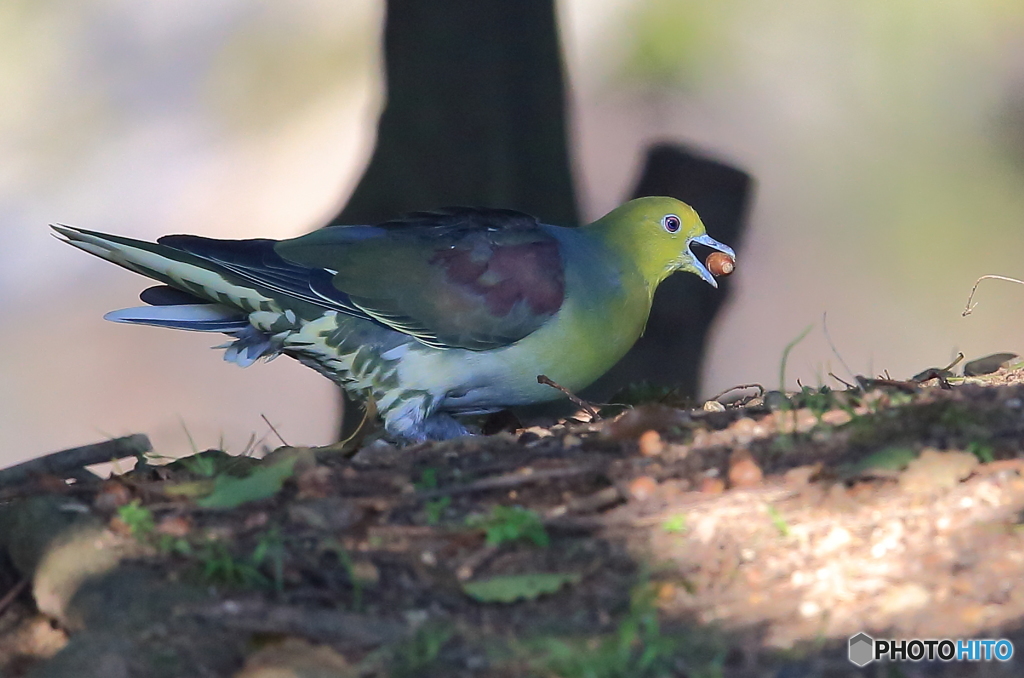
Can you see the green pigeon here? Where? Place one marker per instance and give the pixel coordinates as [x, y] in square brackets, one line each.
[433, 315]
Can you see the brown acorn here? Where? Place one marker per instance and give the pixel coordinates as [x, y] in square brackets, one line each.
[720, 264]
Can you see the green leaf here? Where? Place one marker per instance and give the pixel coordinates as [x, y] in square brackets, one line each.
[675, 524]
[506, 524]
[263, 482]
[509, 588]
[887, 459]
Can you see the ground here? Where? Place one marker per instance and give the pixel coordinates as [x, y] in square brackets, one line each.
[751, 539]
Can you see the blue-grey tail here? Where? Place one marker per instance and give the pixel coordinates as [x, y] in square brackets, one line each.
[195, 296]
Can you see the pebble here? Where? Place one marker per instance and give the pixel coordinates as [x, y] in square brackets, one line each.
[934, 470]
[743, 470]
[835, 539]
[642, 487]
[650, 443]
[809, 608]
[175, 526]
[903, 598]
[836, 417]
[801, 475]
[111, 496]
[712, 486]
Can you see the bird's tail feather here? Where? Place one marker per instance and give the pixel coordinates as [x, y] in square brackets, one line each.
[206, 301]
[194, 317]
[182, 270]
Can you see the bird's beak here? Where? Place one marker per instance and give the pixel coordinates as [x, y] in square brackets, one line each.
[702, 270]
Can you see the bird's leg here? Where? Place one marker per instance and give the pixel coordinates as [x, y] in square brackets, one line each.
[443, 427]
[412, 417]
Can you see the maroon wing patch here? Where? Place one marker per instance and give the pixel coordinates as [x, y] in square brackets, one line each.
[530, 272]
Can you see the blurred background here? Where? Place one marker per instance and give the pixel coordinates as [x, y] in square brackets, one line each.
[886, 138]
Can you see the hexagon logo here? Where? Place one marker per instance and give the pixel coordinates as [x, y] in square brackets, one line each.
[862, 649]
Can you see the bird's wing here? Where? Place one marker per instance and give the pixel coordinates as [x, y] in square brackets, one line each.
[457, 278]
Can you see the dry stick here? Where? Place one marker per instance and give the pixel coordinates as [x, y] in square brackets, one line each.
[473, 561]
[956, 361]
[513, 480]
[289, 620]
[66, 462]
[843, 381]
[969, 308]
[283, 442]
[760, 390]
[576, 400]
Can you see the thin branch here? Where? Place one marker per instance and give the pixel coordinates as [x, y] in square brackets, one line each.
[576, 400]
[843, 381]
[956, 361]
[970, 307]
[283, 441]
[740, 387]
[513, 480]
[67, 462]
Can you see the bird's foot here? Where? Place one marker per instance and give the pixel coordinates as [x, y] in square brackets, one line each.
[434, 427]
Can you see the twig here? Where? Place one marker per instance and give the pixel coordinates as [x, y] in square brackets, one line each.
[12, 594]
[66, 462]
[956, 361]
[576, 400]
[940, 373]
[740, 387]
[321, 625]
[283, 441]
[512, 480]
[843, 381]
[474, 560]
[970, 307]
[867, 383]
[586, 504]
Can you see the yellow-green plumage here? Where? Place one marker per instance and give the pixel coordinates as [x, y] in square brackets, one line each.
[433, 315]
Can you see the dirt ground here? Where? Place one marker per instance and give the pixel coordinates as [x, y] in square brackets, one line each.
[750, 539]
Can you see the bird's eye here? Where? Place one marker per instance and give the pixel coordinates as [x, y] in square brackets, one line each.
[670, 222]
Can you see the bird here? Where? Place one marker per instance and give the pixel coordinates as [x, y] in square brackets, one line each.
[434, 315]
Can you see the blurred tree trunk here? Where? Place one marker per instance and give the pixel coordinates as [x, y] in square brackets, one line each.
[475, 115]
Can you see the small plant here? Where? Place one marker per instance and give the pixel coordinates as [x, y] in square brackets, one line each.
[676, 524]
[220, 566]
[414, 656]
[818, 401]
[982, 451]
[171, 545]
[428, 479]
[138, 518]
[270, 550]
[637, 648]
[507, 524]
[435, 508]
[202, 465]
[785, 357]
[777, 520]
